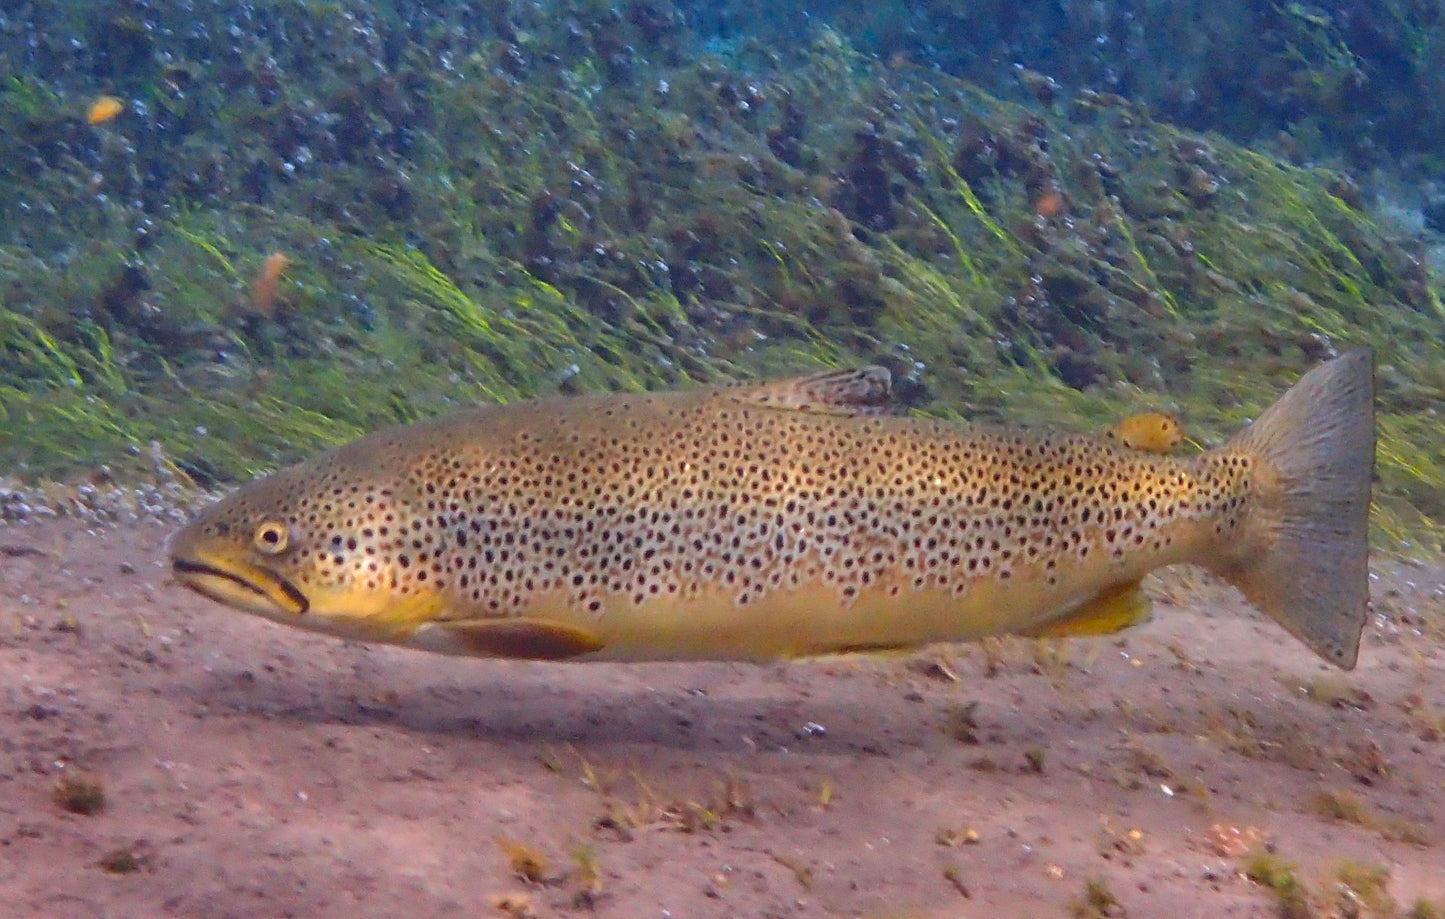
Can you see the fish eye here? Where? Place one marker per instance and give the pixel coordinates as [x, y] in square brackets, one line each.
[271, 537]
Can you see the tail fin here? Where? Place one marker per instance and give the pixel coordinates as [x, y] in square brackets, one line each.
[1303, 560]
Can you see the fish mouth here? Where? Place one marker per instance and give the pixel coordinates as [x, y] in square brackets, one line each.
[255, 589]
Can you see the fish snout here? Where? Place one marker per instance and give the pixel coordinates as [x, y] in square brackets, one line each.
[239, 584]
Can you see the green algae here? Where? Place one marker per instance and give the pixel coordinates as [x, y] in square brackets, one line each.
[577, 225]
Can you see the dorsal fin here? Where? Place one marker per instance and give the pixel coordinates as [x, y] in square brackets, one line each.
[860, 391]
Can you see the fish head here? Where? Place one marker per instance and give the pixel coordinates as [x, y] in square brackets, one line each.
[321, 546]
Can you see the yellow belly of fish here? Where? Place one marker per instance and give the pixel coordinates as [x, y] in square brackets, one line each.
[810, 620]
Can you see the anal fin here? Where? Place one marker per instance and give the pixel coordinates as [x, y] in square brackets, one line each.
[1112, 610]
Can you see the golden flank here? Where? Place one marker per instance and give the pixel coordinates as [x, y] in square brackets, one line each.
[791, 518]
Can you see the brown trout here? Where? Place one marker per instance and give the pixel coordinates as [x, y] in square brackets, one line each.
[786, 519]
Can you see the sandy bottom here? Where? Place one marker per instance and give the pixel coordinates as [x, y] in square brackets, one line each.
[251, 770]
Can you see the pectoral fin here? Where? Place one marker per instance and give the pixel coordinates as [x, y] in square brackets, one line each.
[1111, 611]
[515, 639]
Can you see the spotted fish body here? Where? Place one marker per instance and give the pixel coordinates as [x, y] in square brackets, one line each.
[787, 519]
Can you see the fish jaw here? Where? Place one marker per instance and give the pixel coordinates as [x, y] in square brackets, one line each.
[247, 587]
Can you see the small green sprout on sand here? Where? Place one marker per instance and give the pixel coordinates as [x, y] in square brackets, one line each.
[128, 859]
[1344, 806]
[1097, 902]
[1425, 909]
[801, 869]
[119, 861]
[961, 722]
[951, 838]
[587, 876]
[515, 905]
[825, 792]
[1269, 870]
[1363, 890]
[79, 793]
[954, 875]
[526, 860]
[1331, 689]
